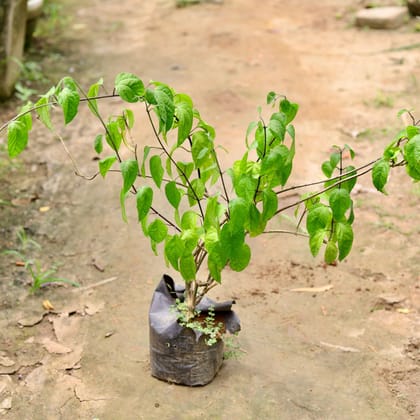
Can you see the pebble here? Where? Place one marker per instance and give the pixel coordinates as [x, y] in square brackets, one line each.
[381, 17]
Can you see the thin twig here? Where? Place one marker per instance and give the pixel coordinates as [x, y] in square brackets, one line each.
[322, 191]
[288, 232]
[311, 184]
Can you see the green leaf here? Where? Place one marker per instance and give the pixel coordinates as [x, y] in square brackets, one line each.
[201, 148]
[97, 144]
[129, 87]
[165, 107]
[184, 114]
[256, 222]
[27, 117]
[190, 239]
[289, 109]
[350, 150]
[129, 171]
[240, 257]
[412, 131]
[270, 204]
[106, 164]
[349, 172]
[157, 230]
[150, 97]
[156, 169]
[239, 213]
[246, 186]
[43, 108]
[217, 260]
[331, 252]
[327, 169]
[249, 130]
[128, 116]
[277, 165]
[174, 249]
[195, 191]
[69, 102]
[93, 93]
[334, 159]
[277, 126]
[189, 220]
[316, 239]
[344, 239]
[319, 218]
[144, 199]
[413, 172]
[187, 267]
[68, 82]
[17, 138]
[146, 152]
[172, 194]
[340, 202]
[412, 152]
[168, 166]
[261, 140]
[214, 210]
[380, 174]
[113, 135]
[211, 238]
[271, 97]
[123, 196]
[184, 171]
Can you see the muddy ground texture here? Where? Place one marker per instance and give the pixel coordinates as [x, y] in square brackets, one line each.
[348, 349]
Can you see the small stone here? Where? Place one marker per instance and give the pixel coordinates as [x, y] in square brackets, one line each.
[6, 404]
[381, 17]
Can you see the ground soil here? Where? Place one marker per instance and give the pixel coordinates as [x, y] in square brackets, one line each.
[347, 351]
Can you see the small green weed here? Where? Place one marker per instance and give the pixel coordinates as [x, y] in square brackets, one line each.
[381, 100]
[208, 326]
[233, 349]
[40, 276]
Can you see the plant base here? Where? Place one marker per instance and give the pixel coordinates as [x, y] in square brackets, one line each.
[184, 359]
[178, 354]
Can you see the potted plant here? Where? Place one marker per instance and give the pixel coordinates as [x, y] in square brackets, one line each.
[214, 212]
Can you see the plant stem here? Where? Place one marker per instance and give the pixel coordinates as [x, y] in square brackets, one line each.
[155, 132]
[324, 190]
[311, 184]
[190, 299]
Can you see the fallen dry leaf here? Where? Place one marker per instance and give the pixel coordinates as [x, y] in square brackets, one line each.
[54, 347]
[66, 328]
[31, 320]
[5, 361]
[313, 289]
[68, 361]
[47, 305]
[391, 299]
[36, 379]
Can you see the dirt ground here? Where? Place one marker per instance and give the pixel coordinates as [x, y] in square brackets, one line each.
[349, 351]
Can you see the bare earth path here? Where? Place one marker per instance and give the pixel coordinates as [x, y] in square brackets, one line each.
[345, 353]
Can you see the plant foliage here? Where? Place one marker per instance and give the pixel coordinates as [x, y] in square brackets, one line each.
[213, 213]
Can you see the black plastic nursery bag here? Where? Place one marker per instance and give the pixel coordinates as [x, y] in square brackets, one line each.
[178, 354]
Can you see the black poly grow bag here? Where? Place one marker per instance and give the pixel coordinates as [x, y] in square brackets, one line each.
[178, 354]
